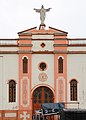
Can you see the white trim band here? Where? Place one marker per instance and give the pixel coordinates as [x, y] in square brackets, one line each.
[10, 115]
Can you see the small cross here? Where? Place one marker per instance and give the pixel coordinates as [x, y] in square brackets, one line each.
[25, 116]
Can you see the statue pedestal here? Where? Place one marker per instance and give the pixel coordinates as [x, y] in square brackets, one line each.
[42, 26]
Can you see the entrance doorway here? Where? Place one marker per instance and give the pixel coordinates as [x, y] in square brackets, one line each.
[42, 95]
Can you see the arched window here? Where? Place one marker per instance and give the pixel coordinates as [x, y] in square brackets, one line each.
[60, 65]
[25, 65]
[12, 91]
[73, 90]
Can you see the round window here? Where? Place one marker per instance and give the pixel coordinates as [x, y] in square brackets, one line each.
[42, 66]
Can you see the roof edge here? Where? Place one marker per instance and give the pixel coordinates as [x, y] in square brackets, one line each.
[27, 30]
[58, 30]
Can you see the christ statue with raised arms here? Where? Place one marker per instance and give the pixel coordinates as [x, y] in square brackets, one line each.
[42, 12]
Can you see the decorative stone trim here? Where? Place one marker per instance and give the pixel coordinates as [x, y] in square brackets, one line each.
[24, 51]
[42, 45]
[43, 77]
[25, 45]
[60, 45]
[25, 115]
[10, 115]
[60, 39]
[24, 91]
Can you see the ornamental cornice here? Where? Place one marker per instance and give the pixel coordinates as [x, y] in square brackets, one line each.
[25, 45]
[42, 52]
[60, 45]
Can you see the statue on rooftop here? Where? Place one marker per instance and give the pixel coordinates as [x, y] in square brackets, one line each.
[42, 12]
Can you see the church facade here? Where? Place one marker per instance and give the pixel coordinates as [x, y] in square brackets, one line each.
[41, 66]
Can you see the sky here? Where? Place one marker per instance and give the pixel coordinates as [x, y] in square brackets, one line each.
[66, 15]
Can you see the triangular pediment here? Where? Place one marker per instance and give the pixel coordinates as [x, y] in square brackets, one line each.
[28, 31]
[57, 31]
[50, 30]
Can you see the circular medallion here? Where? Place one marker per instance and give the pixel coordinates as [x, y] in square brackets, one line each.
[43, 77]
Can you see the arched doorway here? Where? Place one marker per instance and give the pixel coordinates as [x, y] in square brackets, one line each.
[42, 95]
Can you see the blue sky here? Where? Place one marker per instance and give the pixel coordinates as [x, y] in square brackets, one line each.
[67, 15]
